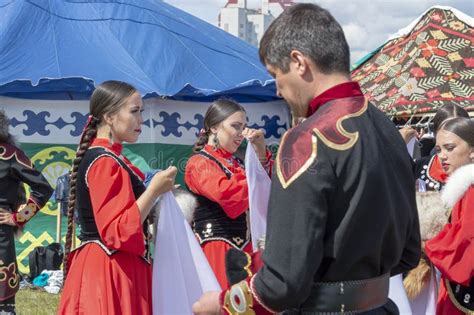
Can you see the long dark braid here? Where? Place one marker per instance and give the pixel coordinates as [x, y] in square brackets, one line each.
[89, 134]
[201, 141]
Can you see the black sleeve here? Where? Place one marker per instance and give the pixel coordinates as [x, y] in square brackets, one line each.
[296, 224]
[412, 251]
[22, 169]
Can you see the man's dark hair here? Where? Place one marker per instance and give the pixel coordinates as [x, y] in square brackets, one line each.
[311, 30]
[5, 135]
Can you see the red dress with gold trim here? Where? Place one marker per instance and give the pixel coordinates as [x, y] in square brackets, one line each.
[452, 250]
[99, 282]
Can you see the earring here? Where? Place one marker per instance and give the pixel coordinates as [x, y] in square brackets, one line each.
[215, 142]
[111, 139]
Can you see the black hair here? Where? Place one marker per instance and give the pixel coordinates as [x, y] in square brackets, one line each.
[311, 30]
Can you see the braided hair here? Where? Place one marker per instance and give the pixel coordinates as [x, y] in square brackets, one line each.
[107, 98]
[219, 111]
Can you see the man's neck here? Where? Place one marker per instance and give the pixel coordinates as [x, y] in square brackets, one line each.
[324, 82]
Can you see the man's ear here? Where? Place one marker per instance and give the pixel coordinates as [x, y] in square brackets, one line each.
[300, 61]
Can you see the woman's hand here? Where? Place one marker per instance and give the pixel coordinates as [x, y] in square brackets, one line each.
[163, 181]
[6, 217]
[208, 304]
[257, 138]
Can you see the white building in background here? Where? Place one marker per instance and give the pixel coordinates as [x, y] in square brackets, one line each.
[250, 24]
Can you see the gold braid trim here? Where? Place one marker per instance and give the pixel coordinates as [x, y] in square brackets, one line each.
[238, 299]
[454, 301]
[9, 275]
[247, 266]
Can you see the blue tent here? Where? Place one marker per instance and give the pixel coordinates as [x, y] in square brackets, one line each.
[60, 49]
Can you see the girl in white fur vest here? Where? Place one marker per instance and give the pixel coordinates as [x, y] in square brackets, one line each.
[452, 250]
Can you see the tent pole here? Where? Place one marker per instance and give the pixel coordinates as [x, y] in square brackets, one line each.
[58, 223]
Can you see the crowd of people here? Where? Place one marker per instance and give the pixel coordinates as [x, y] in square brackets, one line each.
[342, 215]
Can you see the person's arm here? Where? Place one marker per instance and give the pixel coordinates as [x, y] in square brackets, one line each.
[205, 178]
[162, 181]
[408, 133]
[411, 252]
[115, 209]
[22, 169]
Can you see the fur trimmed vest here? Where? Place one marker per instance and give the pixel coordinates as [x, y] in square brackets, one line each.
[457, 185]
[434, 210]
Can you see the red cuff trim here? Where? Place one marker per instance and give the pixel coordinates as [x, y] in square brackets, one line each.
[26, 213]
[18, 224]
[257, 298]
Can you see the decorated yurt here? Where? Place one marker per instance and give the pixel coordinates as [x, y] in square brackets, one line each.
[428, 64]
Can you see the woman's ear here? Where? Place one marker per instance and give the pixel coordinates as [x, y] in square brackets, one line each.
[107, 119]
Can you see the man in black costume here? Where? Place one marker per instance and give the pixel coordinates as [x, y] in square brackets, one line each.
[342, 215]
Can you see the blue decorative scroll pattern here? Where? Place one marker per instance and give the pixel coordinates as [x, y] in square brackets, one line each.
[271, 126]
[36, 123]
[171, 124]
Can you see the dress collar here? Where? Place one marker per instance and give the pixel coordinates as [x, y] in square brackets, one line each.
[343, 90]
[436, 170]
[102, 142]
[219, 152]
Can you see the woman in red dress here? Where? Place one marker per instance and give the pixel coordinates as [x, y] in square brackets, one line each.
[109, 273]
[452, 250]
[218, 180]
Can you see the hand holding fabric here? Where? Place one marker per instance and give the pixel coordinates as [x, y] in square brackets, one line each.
[408, 133]
[163, 181]
[257, 138]
[208, 304]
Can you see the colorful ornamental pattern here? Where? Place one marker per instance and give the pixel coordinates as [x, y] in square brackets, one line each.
[430, 67]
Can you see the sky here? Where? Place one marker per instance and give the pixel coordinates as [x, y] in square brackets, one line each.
[366, 23]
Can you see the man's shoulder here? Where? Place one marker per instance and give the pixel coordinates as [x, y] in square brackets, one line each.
[327, 126]
[301, 146]
[8, 151]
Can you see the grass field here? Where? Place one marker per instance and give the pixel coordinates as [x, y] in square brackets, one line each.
[35, 302]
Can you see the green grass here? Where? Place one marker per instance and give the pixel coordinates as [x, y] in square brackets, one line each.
[36, 302]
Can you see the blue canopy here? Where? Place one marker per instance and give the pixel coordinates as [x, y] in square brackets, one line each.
[60, 49]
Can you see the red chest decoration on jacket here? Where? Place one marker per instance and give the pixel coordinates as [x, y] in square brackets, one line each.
[299, 146]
